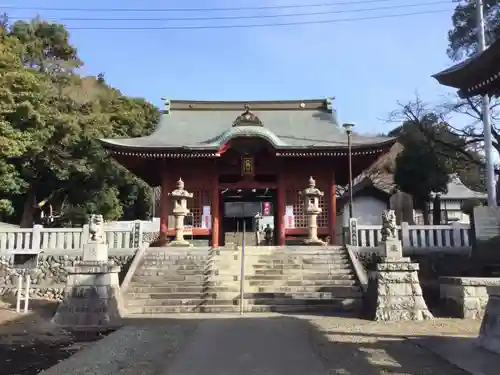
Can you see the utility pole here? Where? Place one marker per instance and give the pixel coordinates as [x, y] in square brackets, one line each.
[488, 147]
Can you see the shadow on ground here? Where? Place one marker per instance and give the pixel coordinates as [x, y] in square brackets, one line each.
[339, 352]
[30, 344]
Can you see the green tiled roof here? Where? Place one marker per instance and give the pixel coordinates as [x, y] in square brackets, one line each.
[293, 127]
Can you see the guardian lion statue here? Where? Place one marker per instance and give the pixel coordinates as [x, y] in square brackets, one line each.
[96, 228]
[389, 226]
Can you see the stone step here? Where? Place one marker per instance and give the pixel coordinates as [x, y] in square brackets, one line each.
[303, 283]
[262, 265]
[206, 301]
[175, 259]
[298, 278]
[166, 272]
[303, 273]
[336, 290]
[180, 278]
[149, 298]
[195, 289]
[173, 296]
[183, 267]
[200, 300]
[326, 308]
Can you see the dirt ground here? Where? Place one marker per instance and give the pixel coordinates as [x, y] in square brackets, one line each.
[30, 343]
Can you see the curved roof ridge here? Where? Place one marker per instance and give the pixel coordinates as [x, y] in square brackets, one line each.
[245, 131]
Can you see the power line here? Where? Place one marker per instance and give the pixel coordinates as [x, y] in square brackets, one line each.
[238, 26]
[265, 7]
[219, 18]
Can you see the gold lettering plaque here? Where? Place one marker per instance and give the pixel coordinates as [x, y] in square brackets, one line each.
[247, 166]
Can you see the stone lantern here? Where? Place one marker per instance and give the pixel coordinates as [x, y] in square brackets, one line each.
[311, 197]
[179, 199]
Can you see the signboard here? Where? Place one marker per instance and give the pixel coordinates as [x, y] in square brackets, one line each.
[289, 217]
[486, 222]
[266, 208]
[206, 218]
[241, 209]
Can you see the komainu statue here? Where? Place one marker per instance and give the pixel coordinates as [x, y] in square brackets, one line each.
[96, 228]
[389, 226]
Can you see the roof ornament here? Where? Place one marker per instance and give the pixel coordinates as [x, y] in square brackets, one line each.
[329, 105]
[247, 118]
[166, 103]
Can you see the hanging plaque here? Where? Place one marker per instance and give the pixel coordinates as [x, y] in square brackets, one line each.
[247, 166]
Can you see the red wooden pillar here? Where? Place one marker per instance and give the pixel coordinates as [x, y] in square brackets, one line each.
[215, 210]
[280, 209]
[332, 210]
[164, 204]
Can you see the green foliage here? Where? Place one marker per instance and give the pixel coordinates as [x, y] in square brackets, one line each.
[468, 205]
[462, 37]
[50, 121]
[420, 170]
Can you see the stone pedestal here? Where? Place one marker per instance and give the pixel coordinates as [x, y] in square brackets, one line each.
[92, 296]
[95, 252]
[179, 231]
[399, 295]
[392, 249]
[489, 334]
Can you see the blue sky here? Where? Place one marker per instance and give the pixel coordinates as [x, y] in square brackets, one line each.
[367, 65]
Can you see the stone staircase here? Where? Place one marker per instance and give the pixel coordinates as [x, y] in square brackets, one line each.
[280, 279]
[232, 239]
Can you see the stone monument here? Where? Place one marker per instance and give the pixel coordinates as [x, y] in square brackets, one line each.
[395, 282]
[311, 196]
[179, 199]
[92, 295]
[402, 205]
[489, 334]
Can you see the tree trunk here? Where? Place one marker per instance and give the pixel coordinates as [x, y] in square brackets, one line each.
[425, 212]
[29, 210]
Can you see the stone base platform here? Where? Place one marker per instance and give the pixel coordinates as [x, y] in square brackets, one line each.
[92, 297]
[489, 334]
[396, 290]
[466, 297]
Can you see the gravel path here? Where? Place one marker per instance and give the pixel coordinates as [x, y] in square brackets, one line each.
[248, 346]
[141, 349]
[270, 344]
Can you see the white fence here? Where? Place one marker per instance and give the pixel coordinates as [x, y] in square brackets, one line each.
[119, 235]
[417, 238]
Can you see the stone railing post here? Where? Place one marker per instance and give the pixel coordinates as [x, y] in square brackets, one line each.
[405, 234]
[137, 234]
[353, 232]
[85, 235]
[36, 237]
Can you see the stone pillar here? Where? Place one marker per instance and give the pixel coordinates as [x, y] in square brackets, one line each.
[311, 196]
[179, 199]
[396, 284]
[489, 334]
[92, 295]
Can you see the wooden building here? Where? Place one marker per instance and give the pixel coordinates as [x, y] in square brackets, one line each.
[240, 158]
[478, 75]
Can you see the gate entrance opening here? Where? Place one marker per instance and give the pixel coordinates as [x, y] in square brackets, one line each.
[250, 213]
